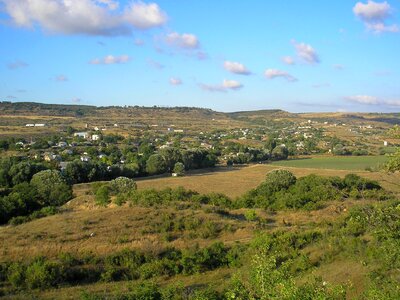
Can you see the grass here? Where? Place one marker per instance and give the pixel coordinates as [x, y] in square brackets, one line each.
[353, 163]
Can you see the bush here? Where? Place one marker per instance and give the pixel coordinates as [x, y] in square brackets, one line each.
[122, 185]
[103, 196]
[42, 274]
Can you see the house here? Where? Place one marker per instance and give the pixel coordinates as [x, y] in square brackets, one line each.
[83, 135]
[49, 156]
[385, 143]
[40, 125]
[62, 144]
[95, 137]
[63, 165]
[68, 152]
[30, 125]
[85, 158]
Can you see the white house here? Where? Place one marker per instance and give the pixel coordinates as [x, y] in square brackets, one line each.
[95, 137]
[83, 135]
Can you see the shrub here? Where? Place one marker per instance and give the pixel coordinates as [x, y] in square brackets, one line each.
[103, 196]
[42, 274]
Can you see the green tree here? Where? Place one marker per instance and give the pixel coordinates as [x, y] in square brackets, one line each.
[280, 179]
[102, 196]
[51, 187]
[156, 164]
[280, 153]
[179, 169]
[393, 163]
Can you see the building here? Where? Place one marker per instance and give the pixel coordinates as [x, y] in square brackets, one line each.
[95, 137]
[83, 135]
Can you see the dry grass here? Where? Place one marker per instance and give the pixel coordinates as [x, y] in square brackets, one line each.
[236, 181]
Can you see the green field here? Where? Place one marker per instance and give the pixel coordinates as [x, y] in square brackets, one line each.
[335, 162]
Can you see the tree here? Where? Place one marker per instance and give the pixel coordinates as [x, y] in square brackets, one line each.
[171, 156]
[280, 179]
[393, 164]
[280, 153]
[122, 185]
[156, 164]
[51, 187]
[179, 169]
[103, 196]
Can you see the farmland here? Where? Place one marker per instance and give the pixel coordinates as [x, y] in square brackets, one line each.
[354, 163]
[104, 213]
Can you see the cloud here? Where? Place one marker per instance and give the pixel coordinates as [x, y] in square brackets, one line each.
[236, 68]
[175, 81]
[145, 16]
[110, 60]
[155, 64]
[306, 52]
[18, 64]
[138, 42]
[288, 60]
[372, 11]
[274, 73]
[76, 100]
[363, 99]
[321, 85]
[224, 87]
[183, 41]
[232, 84]
[87, 17]
[374, 15]
[61, 78]
[381, 27]
[371, 100]
[338, 67]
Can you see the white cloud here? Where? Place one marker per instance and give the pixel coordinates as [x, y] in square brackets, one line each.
[138, 42]
[110, 60]
[144, 16]
[306, 52]
[175, 81]
[363, 99]
[184, 40]
[232, 84]
[371, 100]
[372, 11]
[224, 87]
[381, 27]
[113, 5]
[374, 15]
[321, 85]
[88, 17]
[288, 60]
[236, 68]
[18, 64]
[274, 73]
[338, 67]
[61, 78]
[76, 100]
[155, 64]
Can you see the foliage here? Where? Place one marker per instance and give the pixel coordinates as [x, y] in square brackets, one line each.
[102, 196]
[51, 188]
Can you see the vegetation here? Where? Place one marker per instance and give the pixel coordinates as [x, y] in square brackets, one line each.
[315, 231]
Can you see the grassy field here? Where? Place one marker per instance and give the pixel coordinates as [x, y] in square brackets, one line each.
[236, 181]
[355, 163]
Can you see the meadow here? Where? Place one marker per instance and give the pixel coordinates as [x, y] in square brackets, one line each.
[353, 163]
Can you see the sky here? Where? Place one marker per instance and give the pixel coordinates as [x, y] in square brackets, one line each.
[300, 56]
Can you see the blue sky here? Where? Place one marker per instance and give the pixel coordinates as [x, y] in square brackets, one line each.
[226, 55]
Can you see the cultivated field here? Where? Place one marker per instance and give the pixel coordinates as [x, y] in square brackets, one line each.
[353, 163]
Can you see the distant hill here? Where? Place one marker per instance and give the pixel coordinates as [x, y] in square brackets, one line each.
[183, 115]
